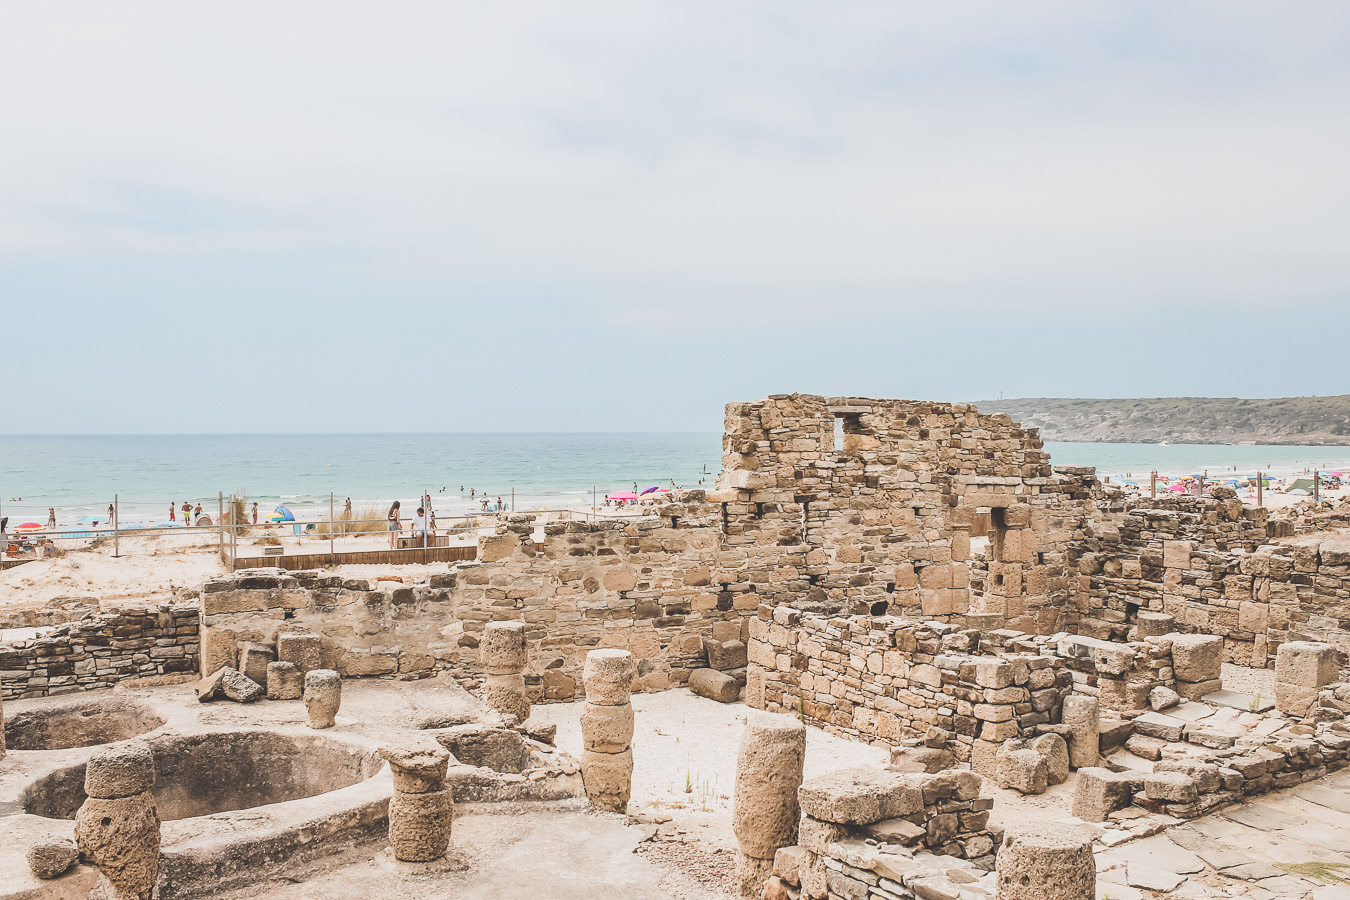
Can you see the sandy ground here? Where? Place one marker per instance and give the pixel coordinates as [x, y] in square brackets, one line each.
[684, 761]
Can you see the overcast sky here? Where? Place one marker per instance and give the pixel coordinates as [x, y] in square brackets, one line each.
[619, 216]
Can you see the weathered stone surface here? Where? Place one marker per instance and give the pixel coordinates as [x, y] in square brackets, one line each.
[768, 775]
[499, 749]
[1196, 657]
[420, 824]
[418, 765]
[608, 778]
[1301, 669]
[284, 681]
[1080, 713]
[50, 860]
[1055, 750]
[751, 875]
[922, 759]
[608, 677]
[506, 694]
[1160, 726]
[1046, 861]
[119, 770]
[1163, 697]
[1022, 770]
[1172, 787]
[724, 655]
[714, 685]
[303, 649]
[1195, 690]
[786, 863]
[254, 659]
[1100, 792]
[212, 687]
[121, 837]
[1153, 624]
[860, 796]
[323, 697]
[816, 835]
[501, 649]
[237, 686]
[607, 729]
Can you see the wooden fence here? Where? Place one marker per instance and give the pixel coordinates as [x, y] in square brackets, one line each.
[299, 561]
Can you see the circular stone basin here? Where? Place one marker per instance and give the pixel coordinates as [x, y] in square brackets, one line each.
[202, 774]
[83, 723]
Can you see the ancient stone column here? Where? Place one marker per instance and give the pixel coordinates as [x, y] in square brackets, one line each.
[117, 827]
[1081, 714]
[1046, 861]
[607, 729]
[502, 654]
[421, 810]
[323, 697]
[768, 774]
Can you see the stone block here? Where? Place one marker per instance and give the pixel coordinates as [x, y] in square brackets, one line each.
[501, 648]
[303, 649]
[608, 778]
[1046, 861]
[607, 729]
[420, 824]
[768, 773]
[51, 859]
[724, 655]
[1302, 668]
[1080, 713]
[1023, 770]
[1055, 750]
[120, 770]
[1177, 554]
[608, 677]
[284, 681]
[1198, 689]
[1196, 657]
[418, 765]
[239, 687]
[861, 796]
[1170, 787]
[714, 685]
[1162, 697]
[1100, 792]
[1157, 725]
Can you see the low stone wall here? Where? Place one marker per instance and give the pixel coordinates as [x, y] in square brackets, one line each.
[642, 586]
[101, 650]
[889, 678]
[879, 833]
[1205, 562]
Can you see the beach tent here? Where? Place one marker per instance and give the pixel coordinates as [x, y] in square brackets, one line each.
[1302, 484]
[1297, 490]
[282, 514]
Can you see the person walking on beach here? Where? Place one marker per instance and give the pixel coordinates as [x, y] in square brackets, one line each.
[173, 512]
[347, 510]
[111, 513]
[51, 518]
[187, 513]
[395, 525]
[255, 512]
[197, 513]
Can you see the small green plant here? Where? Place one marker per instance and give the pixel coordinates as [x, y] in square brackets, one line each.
[1317, 871]
[1255, 705]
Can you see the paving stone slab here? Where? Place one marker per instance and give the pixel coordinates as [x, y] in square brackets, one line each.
[1153, 878]
[1338, 800]
[1260, 816]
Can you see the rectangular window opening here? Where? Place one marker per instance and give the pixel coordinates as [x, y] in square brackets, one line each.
[838, 434]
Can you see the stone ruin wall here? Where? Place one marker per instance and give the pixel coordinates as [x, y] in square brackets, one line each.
[1206, 562]
[102, 649]
[881, 522]
[645, 587]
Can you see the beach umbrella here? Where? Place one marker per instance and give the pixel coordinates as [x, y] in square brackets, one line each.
[1176, 488]
[28, 526]
[650, 490]
[622, 495]
[1337, 475]
[282, 514]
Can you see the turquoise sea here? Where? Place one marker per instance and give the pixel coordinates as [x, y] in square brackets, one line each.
[79, 475]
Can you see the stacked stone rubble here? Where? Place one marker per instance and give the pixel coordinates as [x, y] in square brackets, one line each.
[1302, 669]
[503, 656]
[861, 831]
[768, 775]
[607, 729]
[117, 828]
[421, 811]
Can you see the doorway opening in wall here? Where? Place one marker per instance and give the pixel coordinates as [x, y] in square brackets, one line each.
[838, 434]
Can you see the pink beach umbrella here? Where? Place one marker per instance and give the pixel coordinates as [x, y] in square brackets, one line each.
[622, 495]
[1176, 488]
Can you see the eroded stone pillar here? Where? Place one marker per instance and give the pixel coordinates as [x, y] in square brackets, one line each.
[501, 651]
[1082, 715]
[323, 697]
[768, 774]
[117, 827]
[1046, 862]
[422, 810]
[607, 729]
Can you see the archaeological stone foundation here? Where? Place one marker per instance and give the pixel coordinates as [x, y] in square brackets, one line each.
[910, 573]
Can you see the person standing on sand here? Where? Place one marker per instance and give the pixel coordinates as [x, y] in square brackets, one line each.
[255, 512]
[197, 513]
[395, 525]
[111, 513]
[347, 510]
[173, 512]
[187, 513]
[51, 518]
